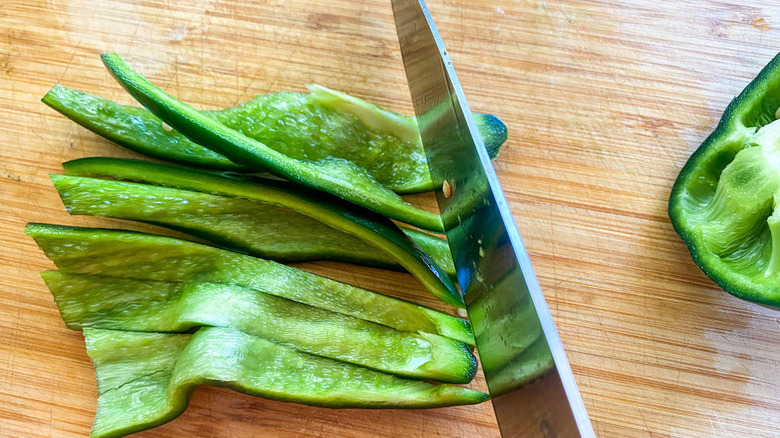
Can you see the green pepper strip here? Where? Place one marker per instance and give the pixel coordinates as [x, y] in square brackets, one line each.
[337, 176]
[157, 306]
[263, 229]
[304, 126]
[146, 379]
[436, 247]
[127, 254]
[97, 197]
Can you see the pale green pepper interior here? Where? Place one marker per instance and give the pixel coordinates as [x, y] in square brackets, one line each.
[740, 221]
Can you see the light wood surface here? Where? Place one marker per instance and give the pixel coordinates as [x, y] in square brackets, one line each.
[604, 102]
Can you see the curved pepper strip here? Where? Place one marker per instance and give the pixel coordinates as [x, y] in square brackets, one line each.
[724, 203]
[146, 379]
[436, 247]
[156, 306]
[333, 175]
[263, 229]
[128, 254]
[191, 213]
[305, 126]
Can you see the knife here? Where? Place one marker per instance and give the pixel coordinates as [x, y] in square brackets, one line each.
[530, 382]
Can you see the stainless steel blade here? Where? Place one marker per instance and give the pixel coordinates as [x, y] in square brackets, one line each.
[533, 389]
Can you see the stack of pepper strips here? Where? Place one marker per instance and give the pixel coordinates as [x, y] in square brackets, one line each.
[162, 315]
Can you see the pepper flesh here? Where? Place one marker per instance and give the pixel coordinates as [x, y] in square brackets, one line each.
[146, 379]
[227, 221]
[305, 126]
[724, 201]
[128, 254]
[333, 175]
[156, 306]
[436, 247]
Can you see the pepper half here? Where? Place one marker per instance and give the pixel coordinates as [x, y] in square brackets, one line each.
[724, 203]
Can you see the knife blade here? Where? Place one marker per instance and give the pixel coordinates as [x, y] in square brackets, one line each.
[529, 378]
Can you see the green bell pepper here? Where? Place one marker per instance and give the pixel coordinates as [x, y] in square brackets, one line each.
[127, 254]
[270, 220]
[724, 203]
[146, 379]
[156, 306]
[305, 126]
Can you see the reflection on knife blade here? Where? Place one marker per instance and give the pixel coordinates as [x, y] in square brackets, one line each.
[533, 389]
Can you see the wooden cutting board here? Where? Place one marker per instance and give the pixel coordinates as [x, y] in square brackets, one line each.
[604, 101]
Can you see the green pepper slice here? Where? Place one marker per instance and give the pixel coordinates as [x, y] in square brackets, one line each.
[436, 247]
[268, 220]
[146, 379]
[305, 126]
[156, 306]
[724, 203]
[128, 254]
[333, 175]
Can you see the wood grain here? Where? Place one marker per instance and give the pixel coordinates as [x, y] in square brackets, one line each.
[604, 100]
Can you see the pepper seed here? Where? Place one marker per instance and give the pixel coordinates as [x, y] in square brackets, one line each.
[446, 189]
